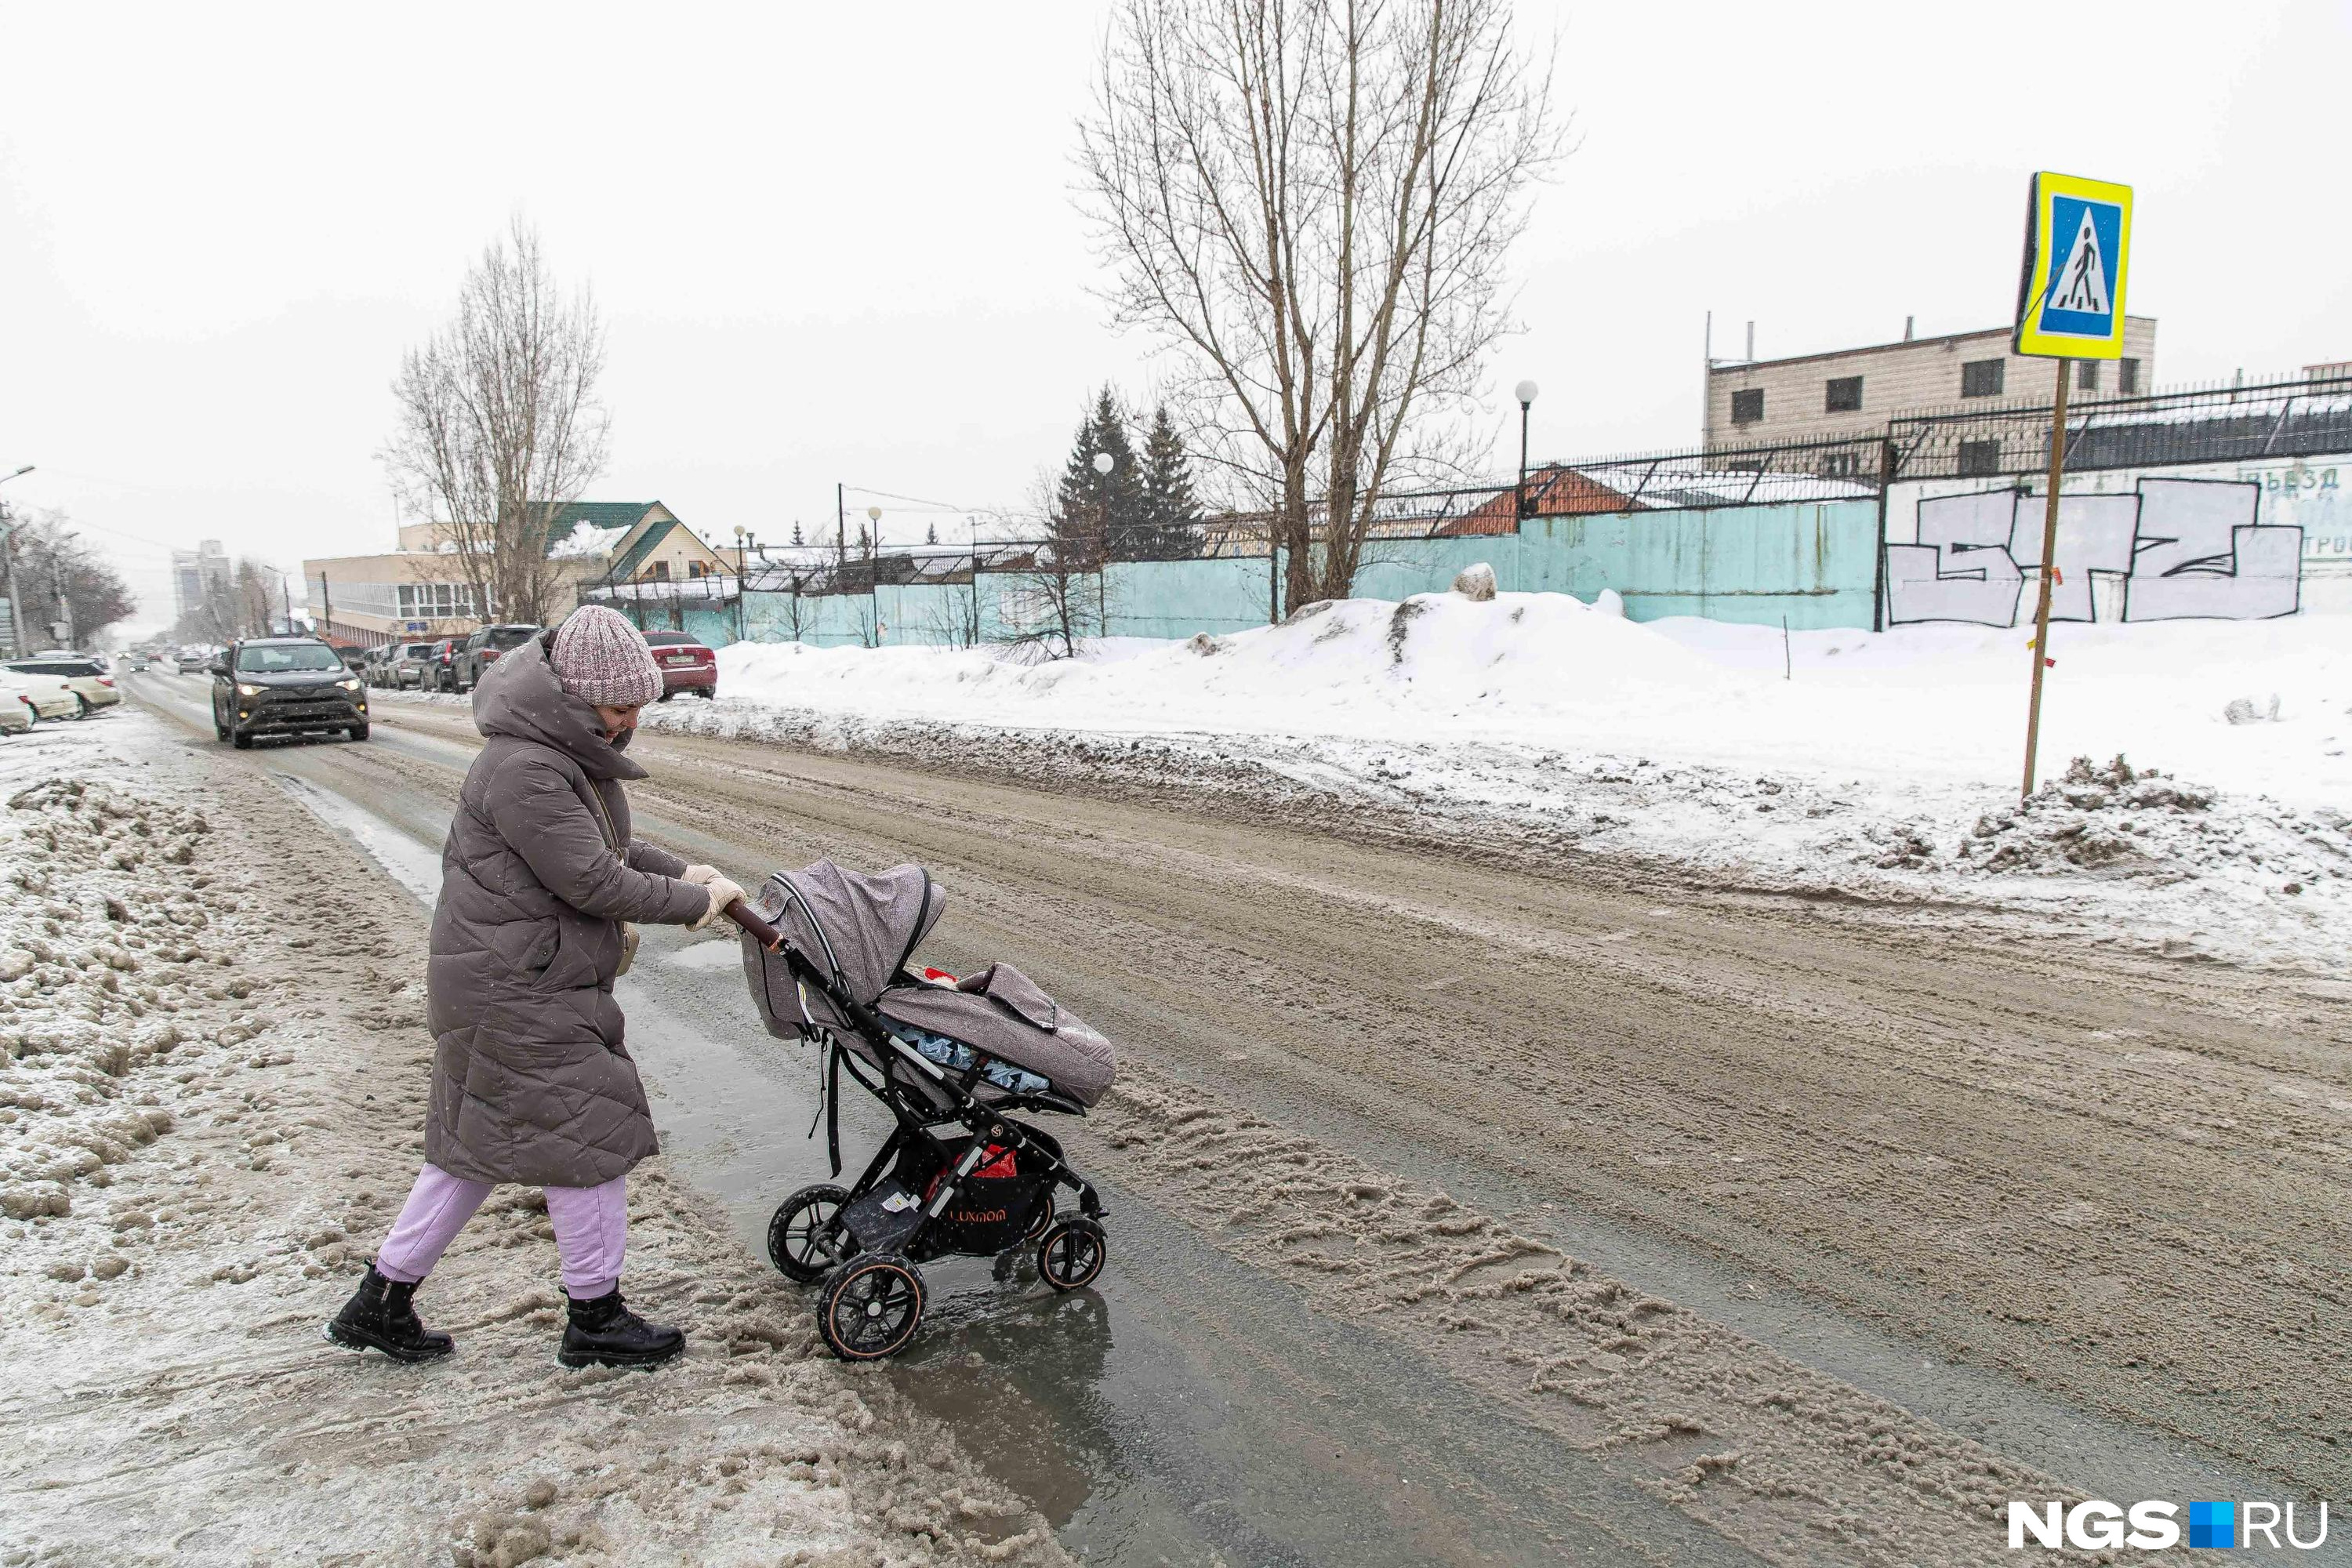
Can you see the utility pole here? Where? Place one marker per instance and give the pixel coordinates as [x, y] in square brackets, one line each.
[327, 607]
[65, 605]
[840, 533]
[16, 646]
[286, 598]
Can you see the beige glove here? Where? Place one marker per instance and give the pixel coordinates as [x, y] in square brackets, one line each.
[701, 875]
[723, 893]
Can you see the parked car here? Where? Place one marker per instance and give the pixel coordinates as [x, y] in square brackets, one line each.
[686, 663]
[441, 668]
[48, 696]
[375, 665]
[18, 712]
[482, 650]
[84, 675]
[285, 686]
[408, 665]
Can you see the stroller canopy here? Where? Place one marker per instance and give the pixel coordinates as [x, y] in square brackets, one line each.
[864, 928]
[862, 925]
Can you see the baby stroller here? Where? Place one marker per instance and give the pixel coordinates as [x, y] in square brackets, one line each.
[825, 952]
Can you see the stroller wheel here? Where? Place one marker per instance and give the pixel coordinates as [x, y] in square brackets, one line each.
[1071, 1253]
[1042, 1218]
[805, 1240]
[871, 1306]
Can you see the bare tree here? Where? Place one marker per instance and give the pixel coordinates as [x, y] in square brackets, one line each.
[500, 427]
[1312, 200]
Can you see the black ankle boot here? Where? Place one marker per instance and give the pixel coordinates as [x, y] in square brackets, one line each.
[605, 1333]
[380, 1314]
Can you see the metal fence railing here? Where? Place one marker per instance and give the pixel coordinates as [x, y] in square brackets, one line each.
[2218, 424]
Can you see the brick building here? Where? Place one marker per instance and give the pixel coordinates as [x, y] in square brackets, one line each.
[1854, 392]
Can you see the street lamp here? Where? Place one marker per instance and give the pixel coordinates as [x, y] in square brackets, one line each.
[1526, 393]
[1104, 464]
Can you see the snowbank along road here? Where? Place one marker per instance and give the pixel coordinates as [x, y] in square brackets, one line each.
[1774, 1228]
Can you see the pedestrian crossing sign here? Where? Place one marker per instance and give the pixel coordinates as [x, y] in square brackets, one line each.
[2070, 296]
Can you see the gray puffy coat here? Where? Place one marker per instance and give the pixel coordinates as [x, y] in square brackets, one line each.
[530, 1081]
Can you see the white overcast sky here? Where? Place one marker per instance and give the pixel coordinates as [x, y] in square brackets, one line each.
[838, 242]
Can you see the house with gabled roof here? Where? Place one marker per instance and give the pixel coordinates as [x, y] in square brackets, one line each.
[629, 550]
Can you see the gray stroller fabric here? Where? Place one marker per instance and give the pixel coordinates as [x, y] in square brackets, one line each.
[864, 928]
[1001, 1012]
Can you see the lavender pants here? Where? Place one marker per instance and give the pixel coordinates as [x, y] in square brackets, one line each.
[592, 1230]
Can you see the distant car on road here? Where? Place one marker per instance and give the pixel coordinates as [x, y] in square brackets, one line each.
[686, 663]
[194, 660]
[409, 664]
[285, 686]
[92, 687]
[482, 650]
[137, 660]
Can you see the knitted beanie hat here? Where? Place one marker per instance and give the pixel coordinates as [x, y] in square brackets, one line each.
[600, 657]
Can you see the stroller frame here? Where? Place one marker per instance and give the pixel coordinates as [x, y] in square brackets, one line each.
[884, 1227]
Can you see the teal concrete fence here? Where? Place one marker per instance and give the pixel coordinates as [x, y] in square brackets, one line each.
[1813, 562]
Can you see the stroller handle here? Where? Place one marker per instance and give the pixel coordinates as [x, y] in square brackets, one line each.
[766, 935]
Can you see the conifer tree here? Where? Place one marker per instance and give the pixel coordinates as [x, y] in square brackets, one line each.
[1170, 510]
[1097, 515]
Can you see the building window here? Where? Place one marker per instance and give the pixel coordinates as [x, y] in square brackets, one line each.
[1844, 393]
[2087, 375]
[659, 572]
[1747, 407]
[2128, 376]
[1980, 458]
[1840, 465]
[436, 600]
[696, 569]
[1981, 378]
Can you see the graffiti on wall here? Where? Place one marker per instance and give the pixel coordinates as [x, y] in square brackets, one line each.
[2171, 550]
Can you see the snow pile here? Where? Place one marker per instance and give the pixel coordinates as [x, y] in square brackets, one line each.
[585, 539]
[102, 951]
[1524, 664]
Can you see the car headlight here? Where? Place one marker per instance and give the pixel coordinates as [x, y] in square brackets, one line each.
[244, 690]
[351, 684]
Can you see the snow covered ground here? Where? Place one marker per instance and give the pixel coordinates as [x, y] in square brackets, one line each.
[1876, 766]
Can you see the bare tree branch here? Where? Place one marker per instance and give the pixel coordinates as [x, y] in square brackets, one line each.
[499, 426]
[1311, 202]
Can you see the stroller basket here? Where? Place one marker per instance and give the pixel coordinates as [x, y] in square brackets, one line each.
[825, 952]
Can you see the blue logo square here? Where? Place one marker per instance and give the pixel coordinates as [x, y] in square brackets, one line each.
[2212, 1525]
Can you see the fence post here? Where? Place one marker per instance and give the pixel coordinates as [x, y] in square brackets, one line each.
[1878, 571]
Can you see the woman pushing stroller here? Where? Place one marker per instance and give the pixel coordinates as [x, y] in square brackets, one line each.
[531, 1081]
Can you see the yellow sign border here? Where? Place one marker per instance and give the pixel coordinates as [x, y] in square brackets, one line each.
[2034, 285]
